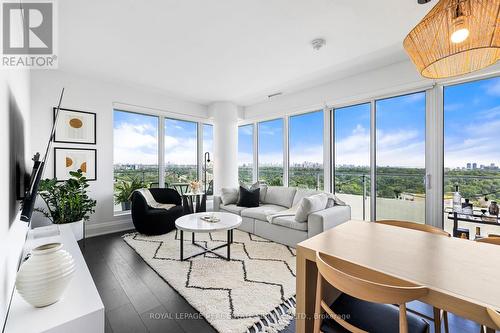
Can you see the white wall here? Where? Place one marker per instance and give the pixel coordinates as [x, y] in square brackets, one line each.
[14, 94]
[399, 77]
[92, 95]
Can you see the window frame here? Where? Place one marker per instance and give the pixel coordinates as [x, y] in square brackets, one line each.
[161, 115]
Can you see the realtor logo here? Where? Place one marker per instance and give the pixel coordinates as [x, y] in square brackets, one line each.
[28, 34]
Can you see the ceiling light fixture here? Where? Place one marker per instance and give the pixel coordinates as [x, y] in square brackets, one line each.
[318, 43]
[456, 37]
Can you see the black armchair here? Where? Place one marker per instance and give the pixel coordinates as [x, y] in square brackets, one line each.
[153, 221]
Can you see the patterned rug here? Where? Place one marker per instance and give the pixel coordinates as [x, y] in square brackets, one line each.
[254, 292]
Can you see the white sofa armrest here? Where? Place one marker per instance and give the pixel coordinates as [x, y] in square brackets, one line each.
[217, 203]
[327, 219]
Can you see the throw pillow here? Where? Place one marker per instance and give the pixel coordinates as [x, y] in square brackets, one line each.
[229, 195]
[249, 198]
[333, 200]
[259, 184]
[309, 205]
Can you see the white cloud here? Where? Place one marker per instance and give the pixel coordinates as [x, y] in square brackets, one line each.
[135, 144]
[493, 88]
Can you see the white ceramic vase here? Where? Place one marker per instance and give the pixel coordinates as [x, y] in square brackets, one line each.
[43, 278]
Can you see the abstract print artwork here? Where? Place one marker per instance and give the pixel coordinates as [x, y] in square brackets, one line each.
[73, 159]
[75, 127]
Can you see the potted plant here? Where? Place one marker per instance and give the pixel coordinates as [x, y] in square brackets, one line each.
[124, 189]
[68, 201]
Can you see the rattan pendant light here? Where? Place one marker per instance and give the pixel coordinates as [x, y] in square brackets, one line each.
[456, 37]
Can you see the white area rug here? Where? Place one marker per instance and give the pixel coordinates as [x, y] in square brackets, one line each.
[254, 292]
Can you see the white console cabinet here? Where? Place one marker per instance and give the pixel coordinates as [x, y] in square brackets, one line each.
[80, 309]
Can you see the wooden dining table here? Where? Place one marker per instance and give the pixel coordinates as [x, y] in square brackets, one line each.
[462, 276]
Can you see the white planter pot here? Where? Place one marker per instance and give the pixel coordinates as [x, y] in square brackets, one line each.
[42, 278]
[77, 229]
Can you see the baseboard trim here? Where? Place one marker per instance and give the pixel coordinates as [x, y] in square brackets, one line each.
[97, 229]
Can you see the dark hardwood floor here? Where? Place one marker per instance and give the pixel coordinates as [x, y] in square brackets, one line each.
[136, 299]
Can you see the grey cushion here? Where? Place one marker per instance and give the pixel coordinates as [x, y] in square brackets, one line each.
[302, 193]
[280, 195]
[309, 205]
[261, 212]
[289, 222]
[229, 195]
[232, 208]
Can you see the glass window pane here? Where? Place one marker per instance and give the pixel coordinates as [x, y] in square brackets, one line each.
[208, 164]
[245, 154]
[472, 153]
[181, 153]
[401, 158]
[306, 151]
[352, 158]
[271, 152]
[135, 155]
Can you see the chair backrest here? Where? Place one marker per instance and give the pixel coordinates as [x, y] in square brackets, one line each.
[495, 316]
[490, 240]
[181, 188]
[366, 285]
[363, 284]
[415, 226]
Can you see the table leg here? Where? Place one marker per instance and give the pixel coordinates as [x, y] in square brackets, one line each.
[228, 245]
[306, 292]
[192, 237]
[182, 245]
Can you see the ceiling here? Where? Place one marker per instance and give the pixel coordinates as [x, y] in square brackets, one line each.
[231, 50]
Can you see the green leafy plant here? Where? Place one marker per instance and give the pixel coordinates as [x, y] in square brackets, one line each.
[125, 187]
[66, 201]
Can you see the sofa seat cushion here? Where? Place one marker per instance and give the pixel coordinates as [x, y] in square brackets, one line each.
[280, 195]
[232, 208]
[289, 222]
[371, 317]
[261, 212]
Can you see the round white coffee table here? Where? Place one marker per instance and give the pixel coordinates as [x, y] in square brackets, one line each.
[194, 224]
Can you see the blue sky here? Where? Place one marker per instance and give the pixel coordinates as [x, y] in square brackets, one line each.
[271, 142]
[306, 138]
[472, 123]
[136, 139]
[245, 144]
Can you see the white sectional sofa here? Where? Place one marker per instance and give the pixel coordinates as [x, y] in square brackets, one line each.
[285, 230]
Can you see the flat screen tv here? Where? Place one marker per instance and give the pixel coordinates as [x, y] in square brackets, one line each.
[39, 162]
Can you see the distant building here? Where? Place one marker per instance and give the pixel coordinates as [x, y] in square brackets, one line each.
[469, 166]
[474, 165]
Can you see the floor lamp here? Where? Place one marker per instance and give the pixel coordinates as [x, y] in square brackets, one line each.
[206, 159]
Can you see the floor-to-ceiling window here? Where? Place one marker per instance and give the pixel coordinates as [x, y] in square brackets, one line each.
[305, 142]
[352, 158]
[245, 154]
[270, 152]
[181, 153]
[135, 156]
[472, 147]
[400, 156]
[208, 166]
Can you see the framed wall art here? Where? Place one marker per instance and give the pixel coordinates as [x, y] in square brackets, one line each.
[72, 159]
[75, 127]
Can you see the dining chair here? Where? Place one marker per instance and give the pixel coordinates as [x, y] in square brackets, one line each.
[365, 304]
[489, 240]
[437, 313]
[415, 226]
[495, 317]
